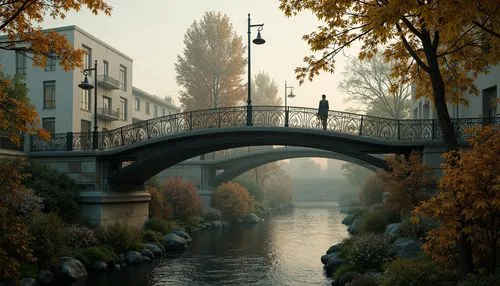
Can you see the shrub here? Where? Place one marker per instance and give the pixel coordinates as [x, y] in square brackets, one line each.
[156, 205]
[80, 236]
[59, 191]
[419, 230]
[152, 236]
[119, 237]
[375, 221]
[486, 280]
[252, 187]
[28, 271]
[90, 255]
[347, 277]
[161, 226]
[368, 252]
[233, 200]
[343, 269]
[364, 280]
[181, 198]
[212, 214]
[420, 271]
[49, 233]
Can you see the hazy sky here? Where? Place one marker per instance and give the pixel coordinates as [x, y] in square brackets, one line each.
[152, 33]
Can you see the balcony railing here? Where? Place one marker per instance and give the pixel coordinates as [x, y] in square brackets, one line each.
[6, 143]
[108, 82]
[108, 114]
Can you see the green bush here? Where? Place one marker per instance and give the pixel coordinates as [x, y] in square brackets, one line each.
[417, 271]
[49, 233]
[93, 254]
[418, 231]
[159, 225]
[28, 271]
[152, 236]
[119, 237]
[58, 190]
[343, 269]
[486, 280]
[364, 280]
[348, 277]
[375, 221]
[368, 252]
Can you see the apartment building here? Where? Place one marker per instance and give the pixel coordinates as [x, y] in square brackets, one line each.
[147, 106]
[63, 106]
[482, 105]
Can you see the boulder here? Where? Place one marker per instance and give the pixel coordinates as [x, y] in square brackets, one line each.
[133, 257]
[217, 224]
[333, 263]
[69, 269]
[28, 282]
[173, 242]
[45, 277]
[154, 249]
[349, 219]
[407, 247]
[147, 259]
[326, 257]
[161, 247]
[184, 235]
[146, 253]
[250, 219]
[354, 227]
[392, 230]
[100, 266]
[334, 248]
[347, 278]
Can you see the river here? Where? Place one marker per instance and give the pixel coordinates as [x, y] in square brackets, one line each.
[283, 250]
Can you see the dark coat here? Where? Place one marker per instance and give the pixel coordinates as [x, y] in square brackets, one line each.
[323, 108]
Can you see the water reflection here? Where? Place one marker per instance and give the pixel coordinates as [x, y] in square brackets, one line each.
[283, 250]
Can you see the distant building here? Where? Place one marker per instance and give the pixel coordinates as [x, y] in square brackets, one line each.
[479, 106]
[147, 106]
[61, 104]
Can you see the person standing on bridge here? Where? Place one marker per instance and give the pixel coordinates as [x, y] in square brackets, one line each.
[323, 111]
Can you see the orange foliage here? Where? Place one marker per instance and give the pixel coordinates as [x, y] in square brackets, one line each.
[408, 182]
[468, 201]
[14, 237]
[156, 205]
[233, 200]
[21, 24]
[181, 199]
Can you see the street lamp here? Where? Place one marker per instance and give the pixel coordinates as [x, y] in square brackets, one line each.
[257, 41]
[85, 85]
[291, 95]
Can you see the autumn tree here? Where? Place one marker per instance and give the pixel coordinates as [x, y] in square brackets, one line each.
[407, 181]
[212, 67]
[441, 45]
[181, 199]
[265, 90]
[20, 22]
[469, 195]
[233, 200]
[369, 84]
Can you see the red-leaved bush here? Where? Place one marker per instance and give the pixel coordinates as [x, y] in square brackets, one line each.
[233, 200]
[181, 198]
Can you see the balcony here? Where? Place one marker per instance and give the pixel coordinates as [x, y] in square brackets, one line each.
[108, 114]
[108, 82]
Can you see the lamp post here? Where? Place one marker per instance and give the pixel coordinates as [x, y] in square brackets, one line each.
[291, 95]
[85, 85]
[258, 41]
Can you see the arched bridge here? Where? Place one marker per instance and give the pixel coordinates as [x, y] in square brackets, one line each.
[156, 144]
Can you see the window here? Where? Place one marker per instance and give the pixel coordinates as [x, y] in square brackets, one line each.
[123, 108]
[123, 78]
[163, 111]
[50, 64]
[107, 107]
[156, 110]
[106, 67]
[489, 101]
[49, 94]
[20, 62]
[137, 104]
[85, 126]
[87, 57]
[147, 108]
[49, 124]
[85, 100]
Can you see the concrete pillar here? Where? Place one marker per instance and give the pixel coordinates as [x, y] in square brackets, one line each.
[431, 155]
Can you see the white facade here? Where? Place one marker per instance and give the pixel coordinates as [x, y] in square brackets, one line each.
[147, 106]
[481, 105]
[61, 104]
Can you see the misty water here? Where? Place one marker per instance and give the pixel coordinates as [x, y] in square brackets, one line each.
[283, 250]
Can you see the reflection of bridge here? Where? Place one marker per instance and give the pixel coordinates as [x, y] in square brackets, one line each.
[126, 157]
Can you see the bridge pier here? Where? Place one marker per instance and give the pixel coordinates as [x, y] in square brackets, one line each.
[431, 155]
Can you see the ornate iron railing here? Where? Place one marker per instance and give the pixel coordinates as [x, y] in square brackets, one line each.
[272, 116]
